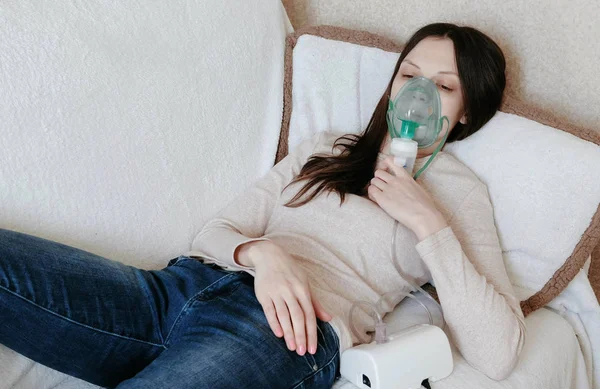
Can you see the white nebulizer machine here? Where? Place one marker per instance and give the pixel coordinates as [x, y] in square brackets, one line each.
[420, 353]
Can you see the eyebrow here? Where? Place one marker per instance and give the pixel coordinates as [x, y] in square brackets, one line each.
[443, 72]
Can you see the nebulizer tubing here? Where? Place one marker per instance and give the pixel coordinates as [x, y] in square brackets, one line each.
[380, 326]
[437, 150]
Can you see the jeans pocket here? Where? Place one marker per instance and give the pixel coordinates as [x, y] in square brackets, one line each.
[221, 289]
[323, 375]
[325, 362]
[179, 259]
[327, 337]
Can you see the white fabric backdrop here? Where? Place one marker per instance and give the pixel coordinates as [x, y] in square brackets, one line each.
[126, 125]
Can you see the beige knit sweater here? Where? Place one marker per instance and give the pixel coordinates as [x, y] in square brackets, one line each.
[346, 252]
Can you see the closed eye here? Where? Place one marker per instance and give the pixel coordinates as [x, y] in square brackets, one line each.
[407, 76]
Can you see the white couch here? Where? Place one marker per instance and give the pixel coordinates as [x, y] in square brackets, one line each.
[126, 126]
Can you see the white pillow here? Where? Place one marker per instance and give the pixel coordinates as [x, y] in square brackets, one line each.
[544, 183]
[126, 126]
[336, 86]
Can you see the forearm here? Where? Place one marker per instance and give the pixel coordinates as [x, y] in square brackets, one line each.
[485, 322]
[245, 219]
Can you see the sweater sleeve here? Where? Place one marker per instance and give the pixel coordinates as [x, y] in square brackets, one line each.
[245, 218]
[483, 316]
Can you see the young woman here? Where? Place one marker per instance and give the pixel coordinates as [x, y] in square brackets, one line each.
[262, 300]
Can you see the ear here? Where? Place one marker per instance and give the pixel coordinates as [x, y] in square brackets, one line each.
[463, 119]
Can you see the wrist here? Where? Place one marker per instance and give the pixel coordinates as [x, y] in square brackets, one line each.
[248, 254]
[430, 226]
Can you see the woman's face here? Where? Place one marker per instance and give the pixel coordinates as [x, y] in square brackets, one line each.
[434, 58]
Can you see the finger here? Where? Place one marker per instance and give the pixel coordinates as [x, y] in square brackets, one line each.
[320, 311]
[374, 193]
[393, 167]
[298, 323]
[310, 321]
[271, 316]
[384, 176]
[283, 316]
[379, 183]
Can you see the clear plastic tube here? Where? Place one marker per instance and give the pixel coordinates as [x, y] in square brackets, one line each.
[437, 149]
[400, 292]
[374, 313]
[380, 328]
[407, 279]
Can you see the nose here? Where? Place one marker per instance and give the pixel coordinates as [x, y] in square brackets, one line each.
[420, 96]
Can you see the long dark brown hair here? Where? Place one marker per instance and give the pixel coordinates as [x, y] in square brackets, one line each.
[481, 66]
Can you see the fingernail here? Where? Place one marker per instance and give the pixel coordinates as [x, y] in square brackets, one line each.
[301, 350]
[312, 350]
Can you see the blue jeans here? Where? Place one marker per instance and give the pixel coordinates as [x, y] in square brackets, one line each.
[189, 325]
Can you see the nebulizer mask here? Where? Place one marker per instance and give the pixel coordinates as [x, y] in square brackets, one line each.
[415, 121]
[422, 352]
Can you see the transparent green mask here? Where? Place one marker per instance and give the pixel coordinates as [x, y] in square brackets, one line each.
[416, 113]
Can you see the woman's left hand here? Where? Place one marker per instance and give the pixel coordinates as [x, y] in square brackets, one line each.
[399, 195]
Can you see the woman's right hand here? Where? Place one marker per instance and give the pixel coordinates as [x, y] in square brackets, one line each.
[282, 288]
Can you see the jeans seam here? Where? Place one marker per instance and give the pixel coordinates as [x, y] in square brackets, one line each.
[154, 313]
[311, 363]
[186, 306]
[76, 322]
[318, 371]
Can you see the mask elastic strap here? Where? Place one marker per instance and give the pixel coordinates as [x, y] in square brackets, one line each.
[437, 149]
